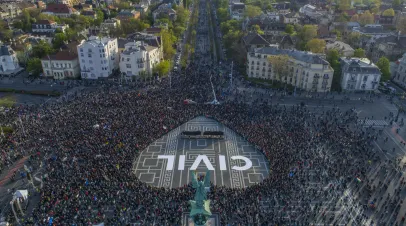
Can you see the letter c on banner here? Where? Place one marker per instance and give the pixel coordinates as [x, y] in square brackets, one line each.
[248, 163]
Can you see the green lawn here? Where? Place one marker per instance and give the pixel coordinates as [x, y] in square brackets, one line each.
[7, 101]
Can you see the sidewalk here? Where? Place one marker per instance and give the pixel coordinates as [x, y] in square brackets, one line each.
[8, 173]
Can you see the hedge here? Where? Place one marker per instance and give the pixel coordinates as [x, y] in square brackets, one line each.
[35, 92]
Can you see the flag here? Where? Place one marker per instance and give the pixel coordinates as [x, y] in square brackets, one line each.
[118, 166]
[165, 127]
[95, 198]
[358, 179]
[87, 182]
[51, 219]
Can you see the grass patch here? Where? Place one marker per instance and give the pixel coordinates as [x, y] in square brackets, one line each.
[7, 101]
[35, 92]
[6, 129]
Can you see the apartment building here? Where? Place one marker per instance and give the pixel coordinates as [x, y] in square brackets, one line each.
[138, 58]
[62, 65]
[304, 70]
[359, 74]
[98, 57]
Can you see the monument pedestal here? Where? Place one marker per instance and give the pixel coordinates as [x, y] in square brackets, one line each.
[214, 220]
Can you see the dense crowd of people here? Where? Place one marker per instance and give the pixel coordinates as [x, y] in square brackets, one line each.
[88, 145]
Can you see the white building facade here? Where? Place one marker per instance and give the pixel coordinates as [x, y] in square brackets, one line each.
[8, 60]
[359, 74]
[47, 26]
[138, 58]
[305, 70]
[399, 76]
[62, 65]
[98, 57]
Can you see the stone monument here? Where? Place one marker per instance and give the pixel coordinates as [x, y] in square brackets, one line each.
[200, 206]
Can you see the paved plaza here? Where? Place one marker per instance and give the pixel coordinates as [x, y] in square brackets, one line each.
[153, 171]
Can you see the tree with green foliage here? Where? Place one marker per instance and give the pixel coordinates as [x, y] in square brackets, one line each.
[257, 29]
[344, 4]
[305, 34]
[396, 3]
[316, 45]
[279, 65]
[251, 11]
[222, 14]
[99, 17]
[34, 66]
[168, 40]
[333, 58]
[42, 49]
[366, 18]
[401, 25]
[354, 18]
[162, 68]
[289, 29]
[360, 53]
[384, 65]
[59, 40]
[389, 12]
[343, 17]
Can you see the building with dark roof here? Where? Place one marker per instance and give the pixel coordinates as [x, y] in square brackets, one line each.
[139, 58]
[126, 14]
[375, 31]
[164, 11]
[359, 74]
[236, 10]
[392, 47]
[60, 10]
[62, 65]
[8, 60]
[304, 70]
[254, 41]
[47, 26]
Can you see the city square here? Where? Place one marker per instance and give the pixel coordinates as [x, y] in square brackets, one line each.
[202, 113]
[153, 171]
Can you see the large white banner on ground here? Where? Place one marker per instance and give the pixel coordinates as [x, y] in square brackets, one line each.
[222, 162]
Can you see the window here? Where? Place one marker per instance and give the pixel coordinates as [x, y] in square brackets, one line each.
[81, 50]
[122, 58]
[45, 65]
[82, 55]
[83, 61]
[128, 59]
[90, 62]
[89, 55]
[128, 65]
[365, 78]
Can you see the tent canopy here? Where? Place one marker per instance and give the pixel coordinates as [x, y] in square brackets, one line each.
[21, 194]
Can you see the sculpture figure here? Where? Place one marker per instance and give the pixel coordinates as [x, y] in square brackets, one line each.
[200, 206]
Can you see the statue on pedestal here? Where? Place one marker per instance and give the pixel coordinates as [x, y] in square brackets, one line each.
[200, 206]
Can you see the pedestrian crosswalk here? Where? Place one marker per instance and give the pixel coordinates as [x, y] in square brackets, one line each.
[372, 122]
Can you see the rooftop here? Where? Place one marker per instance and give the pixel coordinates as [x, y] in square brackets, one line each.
[359, 66]
[307, 57]
[6, 50]
[93, 40]
[339, 46]
[61, 55]
[255, 39]
[59, 8]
